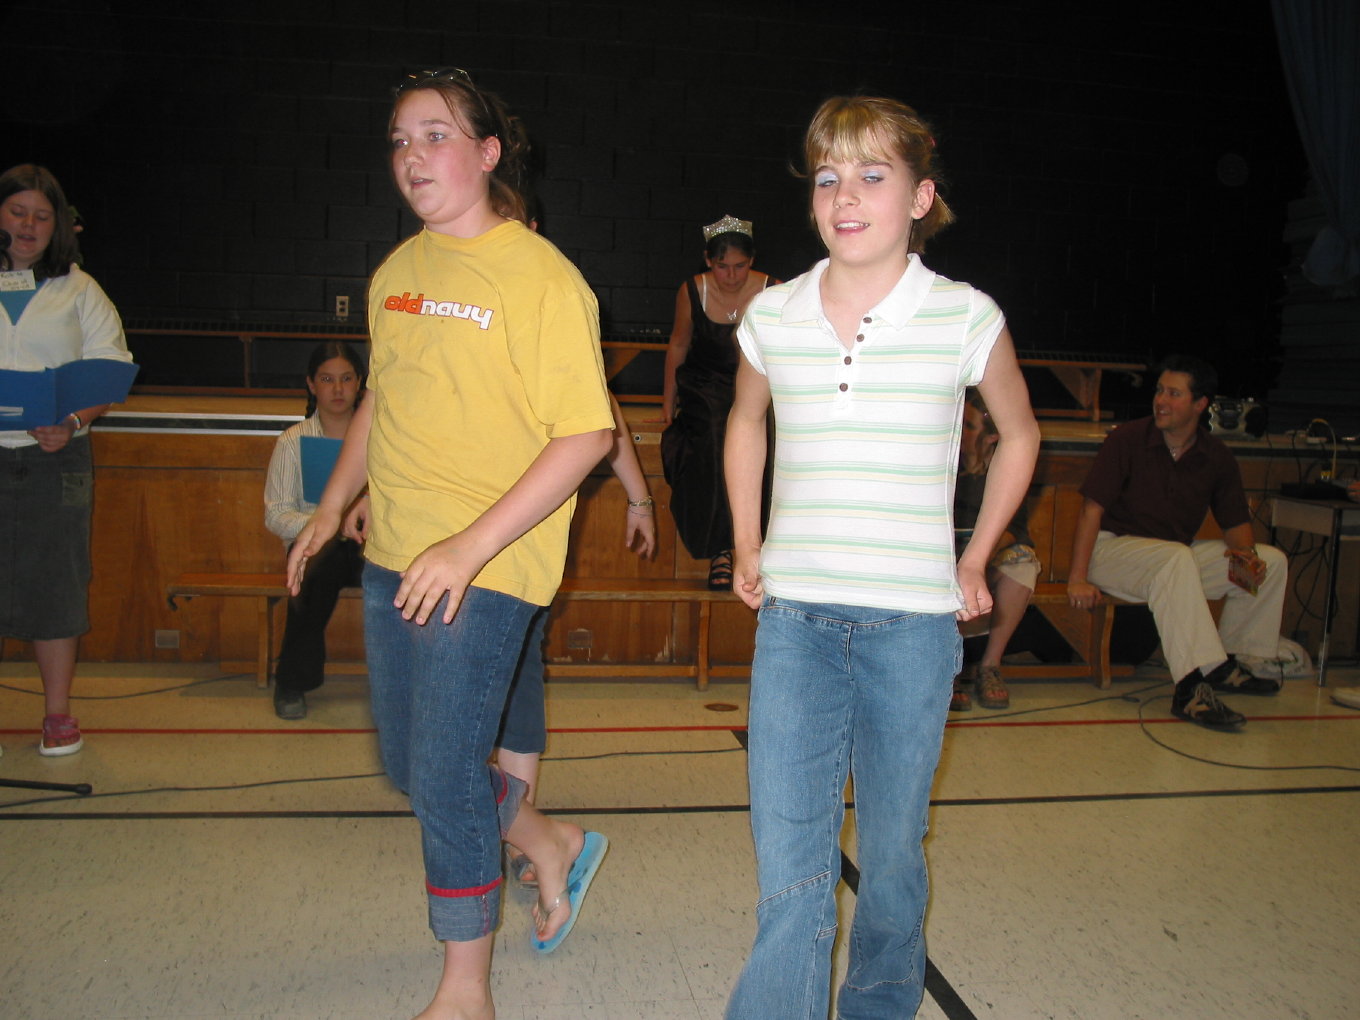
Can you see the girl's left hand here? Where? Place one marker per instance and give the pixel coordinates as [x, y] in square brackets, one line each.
[445, 568]
[977, 598]
[52, 438]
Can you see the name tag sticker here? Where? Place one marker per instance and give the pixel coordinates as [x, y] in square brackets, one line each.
[18, 279]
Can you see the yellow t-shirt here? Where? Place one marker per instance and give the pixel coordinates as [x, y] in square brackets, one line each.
[484, 348]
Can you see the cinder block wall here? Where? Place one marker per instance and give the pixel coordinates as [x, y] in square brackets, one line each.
[1121, 172]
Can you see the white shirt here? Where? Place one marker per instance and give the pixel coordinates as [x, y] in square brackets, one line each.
[69, 319]
[286, 512]
[866, 440]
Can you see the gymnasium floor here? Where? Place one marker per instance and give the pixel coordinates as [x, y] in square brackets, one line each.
[1091, 857]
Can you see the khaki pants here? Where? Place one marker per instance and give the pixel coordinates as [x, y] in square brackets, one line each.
[1175, 581]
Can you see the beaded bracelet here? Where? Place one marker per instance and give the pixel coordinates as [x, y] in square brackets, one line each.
[648, 502]
[76, 417]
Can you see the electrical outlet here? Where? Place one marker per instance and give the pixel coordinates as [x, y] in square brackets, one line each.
[342, 306]
[167, 639]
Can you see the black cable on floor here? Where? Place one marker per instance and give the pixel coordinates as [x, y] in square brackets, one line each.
[1130, 696]
[1142, 724]
[327, 779]
[190, 789]
[1133, 697]
[133, 694]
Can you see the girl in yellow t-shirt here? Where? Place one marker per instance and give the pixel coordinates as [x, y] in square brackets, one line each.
[487, 409]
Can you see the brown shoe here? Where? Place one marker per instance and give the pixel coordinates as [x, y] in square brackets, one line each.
[991, 689]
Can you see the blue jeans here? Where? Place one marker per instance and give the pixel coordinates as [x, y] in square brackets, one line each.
[438, 692]
[839, 690]
[524, 724]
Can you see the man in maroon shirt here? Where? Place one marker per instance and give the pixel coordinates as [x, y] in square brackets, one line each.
[1146, 496]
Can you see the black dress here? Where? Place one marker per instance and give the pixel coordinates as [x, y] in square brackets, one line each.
[692, 445]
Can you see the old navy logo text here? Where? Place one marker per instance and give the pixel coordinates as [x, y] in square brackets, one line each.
[421, 305]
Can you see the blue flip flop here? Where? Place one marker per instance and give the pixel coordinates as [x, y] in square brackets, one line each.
[578, 882]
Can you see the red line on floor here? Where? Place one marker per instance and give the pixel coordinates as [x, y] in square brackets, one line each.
[644, 729]
[311, 732]
[952, 724]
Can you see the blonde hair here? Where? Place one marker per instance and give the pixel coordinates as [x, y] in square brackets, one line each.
[858, 128]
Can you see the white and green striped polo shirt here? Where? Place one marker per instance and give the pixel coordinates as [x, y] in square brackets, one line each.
[866, 440]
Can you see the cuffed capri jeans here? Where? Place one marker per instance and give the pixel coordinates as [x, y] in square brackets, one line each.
[438, 691]
[838, 690]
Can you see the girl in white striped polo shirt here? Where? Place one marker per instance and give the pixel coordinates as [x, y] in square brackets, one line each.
[865, 359]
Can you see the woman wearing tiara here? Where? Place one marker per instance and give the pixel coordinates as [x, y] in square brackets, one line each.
[701, 369]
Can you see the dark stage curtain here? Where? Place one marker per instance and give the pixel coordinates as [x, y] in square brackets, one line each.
[1320, 49]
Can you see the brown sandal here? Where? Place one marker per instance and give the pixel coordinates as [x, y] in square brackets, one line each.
[991, 689]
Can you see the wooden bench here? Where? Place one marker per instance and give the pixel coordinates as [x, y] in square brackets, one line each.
[268, 590]
[671, 590]
[1087, 631]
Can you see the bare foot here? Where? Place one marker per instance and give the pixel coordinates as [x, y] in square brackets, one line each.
[449, 1011]
[464, 991]
[553, 861]
[444, 1009]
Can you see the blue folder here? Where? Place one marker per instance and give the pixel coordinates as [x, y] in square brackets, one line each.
[29, 400]
[318, 461]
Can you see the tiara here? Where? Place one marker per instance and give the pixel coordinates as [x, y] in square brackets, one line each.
[729, 224]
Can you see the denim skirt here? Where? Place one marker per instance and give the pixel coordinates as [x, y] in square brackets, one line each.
[45, 501]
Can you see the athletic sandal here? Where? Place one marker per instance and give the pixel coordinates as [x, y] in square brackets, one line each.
[720, 571]
[519, 865]
[61, 736]
[578, 883]
[991, 689]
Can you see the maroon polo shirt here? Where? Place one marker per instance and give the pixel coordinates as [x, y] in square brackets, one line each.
[1145, 492]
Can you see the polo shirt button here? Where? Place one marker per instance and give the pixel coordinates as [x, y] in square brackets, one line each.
[844, 387]
[860, 337]
[848, 359]
[868, 318]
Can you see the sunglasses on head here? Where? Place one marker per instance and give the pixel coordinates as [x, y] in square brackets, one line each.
[455, 75]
